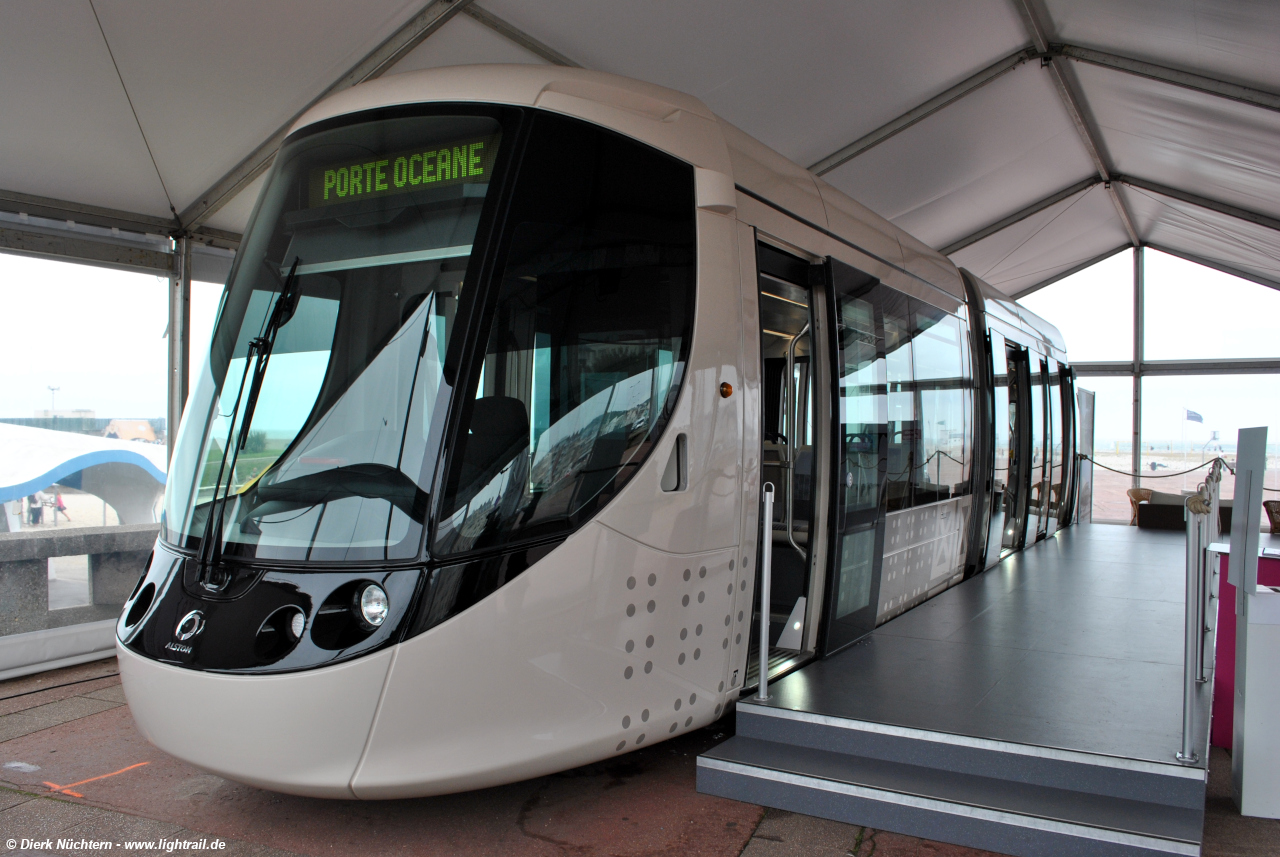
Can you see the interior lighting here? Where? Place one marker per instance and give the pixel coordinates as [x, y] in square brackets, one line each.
[796, 626]
[374, 605]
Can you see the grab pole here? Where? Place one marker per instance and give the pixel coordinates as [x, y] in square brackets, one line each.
[1198, 507]
[766, 573]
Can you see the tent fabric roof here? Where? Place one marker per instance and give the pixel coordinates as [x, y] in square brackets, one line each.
[145, 108]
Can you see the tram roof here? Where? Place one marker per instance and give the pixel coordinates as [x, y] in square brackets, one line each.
[1022, 138]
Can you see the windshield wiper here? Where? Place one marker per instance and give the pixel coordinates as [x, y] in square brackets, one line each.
[209, 553]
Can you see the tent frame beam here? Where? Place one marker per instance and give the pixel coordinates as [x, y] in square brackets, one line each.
[109, 218]
[1074, 269]
[933, 105]
[1124, 368]
[396, 47]
[1091, 139]
[1021, 214]
[70, 247]
[1174, 77]
[1217, 266]
[1229, 210]
[513, 34]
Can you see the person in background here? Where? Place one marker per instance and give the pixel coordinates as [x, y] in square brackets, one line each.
[35, 507]
[59, 506]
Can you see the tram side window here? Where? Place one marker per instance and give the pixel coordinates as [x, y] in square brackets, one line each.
[930, 383]
[943, 389]
[587, 341]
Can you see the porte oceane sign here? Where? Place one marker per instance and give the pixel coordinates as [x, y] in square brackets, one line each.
[458, 162]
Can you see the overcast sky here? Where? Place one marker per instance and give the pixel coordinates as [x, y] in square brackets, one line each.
[98, 334]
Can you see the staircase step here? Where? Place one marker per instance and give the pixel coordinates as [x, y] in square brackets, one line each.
[1149, 782]
[993, 813]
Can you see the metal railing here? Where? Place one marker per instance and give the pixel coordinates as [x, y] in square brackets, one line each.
[766, 573]
[1203, 529]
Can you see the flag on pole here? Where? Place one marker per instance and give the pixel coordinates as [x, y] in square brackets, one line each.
[1192, 416]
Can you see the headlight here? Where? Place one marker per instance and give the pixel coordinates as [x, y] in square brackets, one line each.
[298, 624]
[373, 605]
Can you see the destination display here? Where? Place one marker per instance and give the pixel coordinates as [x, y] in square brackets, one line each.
[469, 160]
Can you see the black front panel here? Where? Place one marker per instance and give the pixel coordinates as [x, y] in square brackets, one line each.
[245, 627]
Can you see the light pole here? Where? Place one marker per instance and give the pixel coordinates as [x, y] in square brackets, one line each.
[53, 395]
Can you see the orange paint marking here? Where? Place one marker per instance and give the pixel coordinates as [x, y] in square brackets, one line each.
[66, 790]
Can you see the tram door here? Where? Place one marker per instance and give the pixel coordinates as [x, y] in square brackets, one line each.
[869, 375]
[788, 433]
[1038, 500]
[1056, 443]
[1018, 398]
[1004, 460]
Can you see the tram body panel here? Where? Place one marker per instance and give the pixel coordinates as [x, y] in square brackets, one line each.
[301, 733]
[766, 173]
[554, 644]
[752, 450]
[704, 514]
[669, 120]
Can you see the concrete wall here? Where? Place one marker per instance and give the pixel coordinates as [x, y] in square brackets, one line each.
[32, 637]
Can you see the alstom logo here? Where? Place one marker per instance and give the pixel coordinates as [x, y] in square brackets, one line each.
[189, 626]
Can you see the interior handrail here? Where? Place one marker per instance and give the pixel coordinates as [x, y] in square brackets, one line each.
[792, 417]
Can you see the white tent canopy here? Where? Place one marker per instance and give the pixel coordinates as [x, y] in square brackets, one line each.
[1025, 138]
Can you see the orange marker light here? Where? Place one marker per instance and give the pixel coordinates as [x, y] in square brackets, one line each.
[726, 390]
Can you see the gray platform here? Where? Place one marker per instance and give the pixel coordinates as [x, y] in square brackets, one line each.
[1034, 709]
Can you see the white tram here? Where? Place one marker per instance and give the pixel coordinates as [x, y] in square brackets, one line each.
[469, 488]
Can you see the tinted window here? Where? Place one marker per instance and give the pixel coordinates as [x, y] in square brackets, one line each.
[587, 337]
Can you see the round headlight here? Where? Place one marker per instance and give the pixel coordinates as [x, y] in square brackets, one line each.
[374, 605]
[297, 624]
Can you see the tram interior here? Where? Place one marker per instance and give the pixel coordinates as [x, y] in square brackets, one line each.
[787, 455]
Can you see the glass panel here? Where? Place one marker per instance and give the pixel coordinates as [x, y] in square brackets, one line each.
[940, 351]
[82, 437]
[862, 412]
[1093, 309]
[1189, 419]
[1036, 503]
[323, 383]
[1193, 312]
[1004, 453]
[1015, 496]
[587, 340]
[862, 409]
[1056, 448]
[903, 427]
[1113, 444]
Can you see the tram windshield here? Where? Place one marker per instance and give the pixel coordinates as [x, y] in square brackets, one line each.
[318, 427]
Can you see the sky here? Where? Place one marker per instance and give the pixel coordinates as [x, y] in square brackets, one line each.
[98, 335]
[1192, 313]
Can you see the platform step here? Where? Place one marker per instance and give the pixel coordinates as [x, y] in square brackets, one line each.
[1149, 782]
[989, 812]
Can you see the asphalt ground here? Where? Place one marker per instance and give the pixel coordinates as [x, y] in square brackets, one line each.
[73, 766]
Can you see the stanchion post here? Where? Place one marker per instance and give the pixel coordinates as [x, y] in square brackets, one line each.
[1197, 509]
[766, 573]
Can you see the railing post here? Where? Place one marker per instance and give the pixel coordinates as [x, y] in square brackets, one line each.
[1198, 507]
[766, 574]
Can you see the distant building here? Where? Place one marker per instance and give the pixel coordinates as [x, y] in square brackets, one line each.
[76, 414]
[130, 430]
